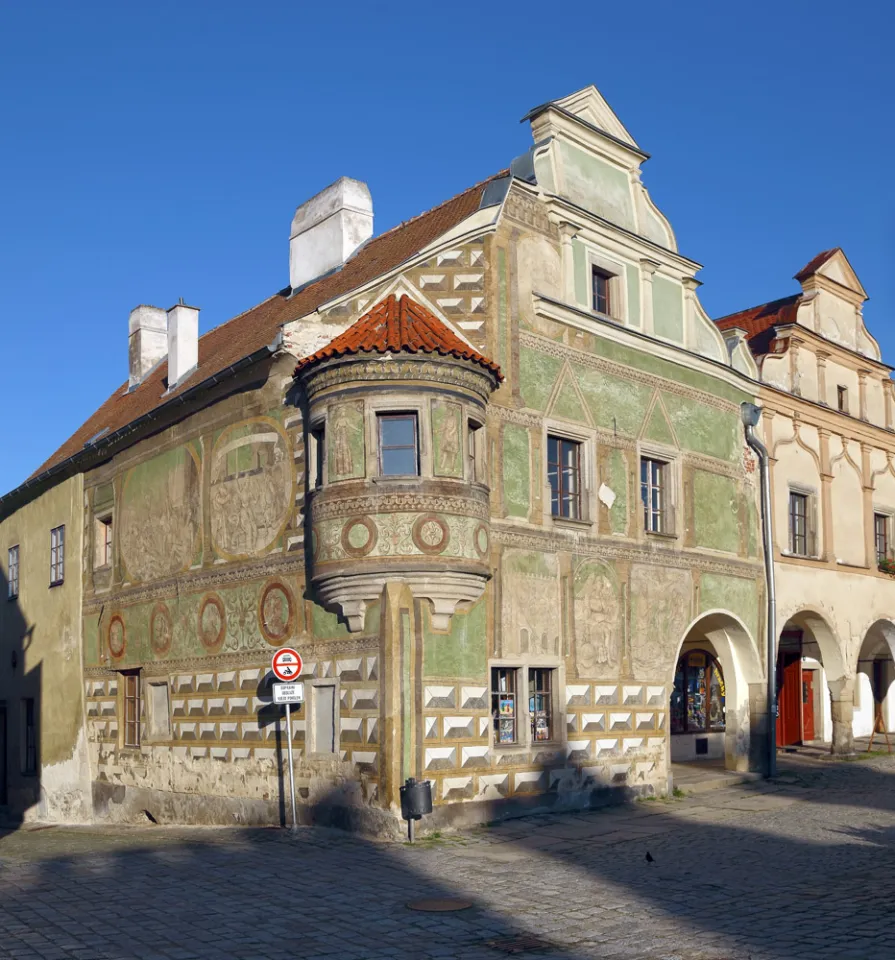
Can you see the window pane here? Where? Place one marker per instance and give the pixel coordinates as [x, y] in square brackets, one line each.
[696, 693]
[503, 704]
[397, 431]
[400, 462]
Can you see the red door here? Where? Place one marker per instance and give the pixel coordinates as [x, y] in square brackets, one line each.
[808, 729]
[789, 699]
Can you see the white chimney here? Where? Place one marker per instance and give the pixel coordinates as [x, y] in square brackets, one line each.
[183, 342]
[328, 228]
[147, 341]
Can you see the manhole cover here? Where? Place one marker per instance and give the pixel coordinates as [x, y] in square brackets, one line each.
[518, 944]
[439, 905]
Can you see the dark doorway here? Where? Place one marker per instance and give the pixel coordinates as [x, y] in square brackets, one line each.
[4, 799]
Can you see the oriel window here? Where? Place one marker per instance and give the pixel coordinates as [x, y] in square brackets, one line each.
[654, 495]
[504, 706]
[131, 709]
[398, 445]
[881, 536]
[601, 280]
[540, 703]
[12, 572]
[57, 555]
[564, 475]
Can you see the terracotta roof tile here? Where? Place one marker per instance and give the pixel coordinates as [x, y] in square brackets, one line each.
[398, 326]
[248, 332]
[813, 265]
[759, 322]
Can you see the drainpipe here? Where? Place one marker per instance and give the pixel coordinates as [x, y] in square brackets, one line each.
[751, 414]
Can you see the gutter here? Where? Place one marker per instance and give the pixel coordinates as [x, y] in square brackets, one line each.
[93, 450]
[750, 414]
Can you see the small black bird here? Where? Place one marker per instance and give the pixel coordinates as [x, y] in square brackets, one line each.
[649, 857]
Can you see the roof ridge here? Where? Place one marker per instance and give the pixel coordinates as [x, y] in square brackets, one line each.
[790, 298]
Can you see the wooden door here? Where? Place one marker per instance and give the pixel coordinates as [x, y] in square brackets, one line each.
[789, 699]
[809, 731]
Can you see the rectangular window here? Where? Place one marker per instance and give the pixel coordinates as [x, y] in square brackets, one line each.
[540, 704]
[104, 542]
[842, 399]
[881, 536]
[57, 555]
[655, 496]
[398, 445]
[12, 573]
[473, 441]
[601, 297]
[131, 709]
[29, 737]
[504, 708]
[318, 453]
[798, 524]
[323, 699]
[564, 474]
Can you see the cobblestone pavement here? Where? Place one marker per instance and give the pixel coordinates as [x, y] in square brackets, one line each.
[804, 867]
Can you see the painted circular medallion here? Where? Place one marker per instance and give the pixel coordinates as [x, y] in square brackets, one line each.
[431, 534]
[117, 637]
[276, 617]
[359, 536]
[160, 630]
[481, 540]
[212, 622]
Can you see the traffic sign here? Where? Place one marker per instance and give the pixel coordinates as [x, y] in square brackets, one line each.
[286, 664]
[288, 693]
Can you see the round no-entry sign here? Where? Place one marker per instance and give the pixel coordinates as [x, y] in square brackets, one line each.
[286, 664]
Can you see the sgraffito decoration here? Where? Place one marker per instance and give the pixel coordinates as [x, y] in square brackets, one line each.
[359, 536]
[446, 434]
[660, 611]
[276, 613]
[251, 488]
[161, 630]
[161, 515]
[597, 611]
[117, 637]
[531, 599]
[431, 534]
[212, 624]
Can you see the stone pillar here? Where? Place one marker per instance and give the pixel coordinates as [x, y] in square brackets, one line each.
[691, 285]
[862, 394]
[647, 269]
[842, 712]
[758, 727]
[567, 233]
[822, 377]
[887, 401]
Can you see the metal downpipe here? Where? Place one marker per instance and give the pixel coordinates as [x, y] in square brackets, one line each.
[751, 414]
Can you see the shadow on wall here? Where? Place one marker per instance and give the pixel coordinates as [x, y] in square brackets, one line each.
[20, 713]
[582, 882]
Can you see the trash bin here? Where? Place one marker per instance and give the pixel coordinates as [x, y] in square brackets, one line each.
[416, 798]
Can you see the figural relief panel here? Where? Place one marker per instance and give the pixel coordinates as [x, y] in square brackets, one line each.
[661, 598]
[598, 617]
[446, 438]
[161, 515]
[345, 430]
[251, 488]
[531, 607]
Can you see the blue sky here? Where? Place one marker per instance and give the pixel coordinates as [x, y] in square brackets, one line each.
[153, 151]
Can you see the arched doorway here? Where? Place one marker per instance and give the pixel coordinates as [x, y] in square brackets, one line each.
[874, 698]
[709, 702]
[812, 682]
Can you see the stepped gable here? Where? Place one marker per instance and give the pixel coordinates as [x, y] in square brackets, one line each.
[396, 326]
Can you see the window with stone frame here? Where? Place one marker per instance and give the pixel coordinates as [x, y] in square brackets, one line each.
[802, 523]
[131, 703]
[57, 555]
[505, 704]
[398, 445]
[103, 542]
[656, 495]
[12, 572]
[564, 477]
[842, 399]
[881, 523]
[601, 291]
[540, 703]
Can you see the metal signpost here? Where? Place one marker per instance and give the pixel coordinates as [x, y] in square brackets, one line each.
[286, 666]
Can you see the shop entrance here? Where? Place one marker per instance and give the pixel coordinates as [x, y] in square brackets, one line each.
[796, 691]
